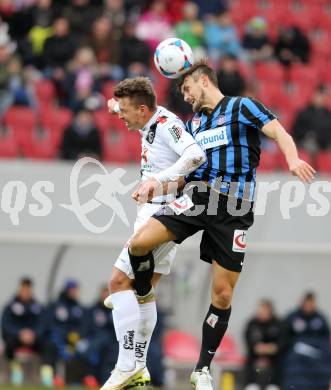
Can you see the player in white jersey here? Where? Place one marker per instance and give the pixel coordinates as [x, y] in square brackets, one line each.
[168, 152]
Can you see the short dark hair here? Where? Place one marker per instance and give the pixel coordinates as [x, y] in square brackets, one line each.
[139, 89]
[26, 281]
[196, 70]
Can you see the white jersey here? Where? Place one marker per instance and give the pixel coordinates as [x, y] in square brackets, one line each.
[163, 141]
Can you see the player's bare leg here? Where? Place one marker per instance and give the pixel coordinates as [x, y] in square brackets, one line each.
[215, 323]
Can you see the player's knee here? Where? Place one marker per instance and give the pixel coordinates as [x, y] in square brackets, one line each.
[222, 297]
[138, 246]
[119, 283]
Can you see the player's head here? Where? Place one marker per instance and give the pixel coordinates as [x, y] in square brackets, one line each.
[137, 101]
[195, 82]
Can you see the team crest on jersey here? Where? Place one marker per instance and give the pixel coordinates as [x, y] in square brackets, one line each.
[195, 123]
[151, 135]
[221, 120]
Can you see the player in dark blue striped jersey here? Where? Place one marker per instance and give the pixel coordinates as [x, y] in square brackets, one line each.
[228, 129]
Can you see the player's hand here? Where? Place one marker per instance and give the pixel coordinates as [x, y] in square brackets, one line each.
[302, 170]
[112, 106]
[147, 190]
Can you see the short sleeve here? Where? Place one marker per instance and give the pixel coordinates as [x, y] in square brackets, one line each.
[254, 113]
[176, 136]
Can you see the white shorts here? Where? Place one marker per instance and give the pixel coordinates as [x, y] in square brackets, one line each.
[164, 255]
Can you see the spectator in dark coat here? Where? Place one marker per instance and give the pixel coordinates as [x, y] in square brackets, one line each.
[81, 138]
[292, 46]
[60, 47]
[134, 52]
[262, 336]
[20, 324]
[230, 81]
[256, 42]
[312, 126]
[63, 328]
[307, 360]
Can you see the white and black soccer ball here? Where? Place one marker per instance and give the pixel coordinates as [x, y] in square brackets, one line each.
[172, 57]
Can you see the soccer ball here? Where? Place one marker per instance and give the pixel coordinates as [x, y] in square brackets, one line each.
[172, 57]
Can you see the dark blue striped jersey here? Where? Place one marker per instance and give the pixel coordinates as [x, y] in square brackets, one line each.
[230, 136]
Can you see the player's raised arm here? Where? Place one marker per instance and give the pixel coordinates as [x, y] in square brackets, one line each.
[297, 167]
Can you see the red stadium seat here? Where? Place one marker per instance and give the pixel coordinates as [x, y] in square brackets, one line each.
[54, 121]
[268, 162]
[115, 148]
[323, 162]
[45, 93]
[180, 347]
[108, 89]
[108, 122]
[44, 148]
[228, 352]
[8, 146]
[21, 121]
[304, 74]
[134, 145]
[270, 71]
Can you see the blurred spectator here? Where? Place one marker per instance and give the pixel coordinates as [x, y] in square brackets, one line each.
[20, 324]
[210, 7]
[81, 138]
[115, 12]
[20, 81]
[135, 53]
[43, 15]
[190, 29]
[81, 15]
[262, 336]
[63, 326]
[292, 46]
[105, 47]
[230, 81]
[312, 126]
[154, 24]
[100, 348]
[60, 47]
[221, 37]
[307, 360]
[7, 47]
[256, 41]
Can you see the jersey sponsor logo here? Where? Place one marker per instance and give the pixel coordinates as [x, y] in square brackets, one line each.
[128, 339]
[212, 138]
[239, 240]
[176, 132]
[212, 320]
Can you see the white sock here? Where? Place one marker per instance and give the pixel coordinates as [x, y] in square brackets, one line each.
[147, 322]
[126, 315]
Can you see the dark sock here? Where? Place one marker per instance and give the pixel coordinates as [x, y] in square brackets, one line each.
[213, 330]
[143, 269]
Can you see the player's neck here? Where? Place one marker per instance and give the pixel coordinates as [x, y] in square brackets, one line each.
[148, 117]
[212, 98]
